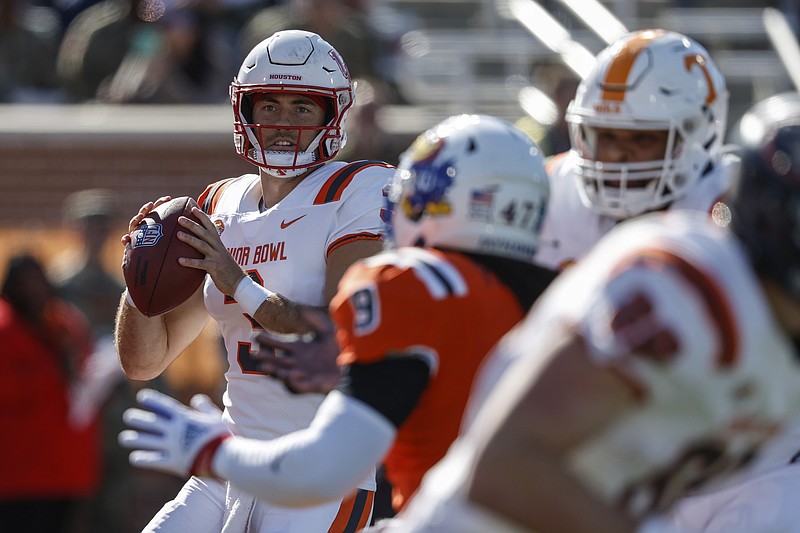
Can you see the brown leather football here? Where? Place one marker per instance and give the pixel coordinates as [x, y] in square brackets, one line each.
[156, 281]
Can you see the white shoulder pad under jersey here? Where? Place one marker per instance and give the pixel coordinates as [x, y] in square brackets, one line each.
[570, 229]
[713, 373]
[285, 248]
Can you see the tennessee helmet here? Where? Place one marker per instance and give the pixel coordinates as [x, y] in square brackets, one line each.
[473, 183]
[648, 80]
[765, 202]
[292, 62]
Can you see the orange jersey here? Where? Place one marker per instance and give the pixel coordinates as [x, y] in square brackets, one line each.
[441, 306]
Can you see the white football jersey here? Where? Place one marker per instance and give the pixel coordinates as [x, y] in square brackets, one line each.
[285, 248]
[722, 379]
[570, 228]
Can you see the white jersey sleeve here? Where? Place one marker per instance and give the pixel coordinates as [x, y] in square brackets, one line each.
[670, 302]
[675, 308]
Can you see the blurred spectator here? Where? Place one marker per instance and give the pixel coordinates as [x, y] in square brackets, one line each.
[31, 33]
[48, 463]
[559, 84]
[96, 42]
[82, 278]
[337, 21]
[365, 138]
[556, 136]
[122, 502]
[141, 51]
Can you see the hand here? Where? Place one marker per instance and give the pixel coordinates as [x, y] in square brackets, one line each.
[308, 362]
[135, 221]
[172, 437]
[218, 262]
[138, 217]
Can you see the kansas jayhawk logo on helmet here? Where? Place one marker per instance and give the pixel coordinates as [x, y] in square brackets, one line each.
[428, 179]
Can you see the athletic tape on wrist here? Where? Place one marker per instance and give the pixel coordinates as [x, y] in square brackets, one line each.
[250, 295]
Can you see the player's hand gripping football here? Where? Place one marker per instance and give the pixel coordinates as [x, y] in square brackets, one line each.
[172, 437]
[304, 363]
[138, 217]
[218, 262]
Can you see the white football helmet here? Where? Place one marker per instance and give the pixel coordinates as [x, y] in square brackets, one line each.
[296, 62]
[648, 80]
[473, 183]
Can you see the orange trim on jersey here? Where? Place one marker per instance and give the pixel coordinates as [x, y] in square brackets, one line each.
[210, 196]
[717, 305]
[354, 513]
[341, 241]
[616, 81]
[333, 188]
[553, 161]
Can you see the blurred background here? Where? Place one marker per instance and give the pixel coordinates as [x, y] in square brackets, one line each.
[128, 99]
[132, 95]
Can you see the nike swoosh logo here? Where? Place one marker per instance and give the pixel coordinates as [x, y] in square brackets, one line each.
[285, 224]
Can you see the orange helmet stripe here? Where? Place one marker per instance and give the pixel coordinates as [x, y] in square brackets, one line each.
[616, 81]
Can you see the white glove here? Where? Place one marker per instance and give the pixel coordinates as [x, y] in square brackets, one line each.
[172, 437]
[658, 524]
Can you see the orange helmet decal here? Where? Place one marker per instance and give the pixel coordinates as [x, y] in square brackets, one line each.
[700, 61]
[616, 80]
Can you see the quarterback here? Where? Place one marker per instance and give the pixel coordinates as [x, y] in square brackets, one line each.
[271, 243]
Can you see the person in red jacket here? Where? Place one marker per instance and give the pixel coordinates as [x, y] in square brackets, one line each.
[47, 463]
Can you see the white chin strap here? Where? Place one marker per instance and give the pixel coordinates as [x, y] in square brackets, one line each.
[280, 163]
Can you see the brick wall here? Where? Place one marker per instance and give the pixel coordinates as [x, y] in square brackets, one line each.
[142, 153]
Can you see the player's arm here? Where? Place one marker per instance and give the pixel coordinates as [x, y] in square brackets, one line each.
[578, 384]
[321, 463]
[147, 345]
[342, 257]
[351, 432]
[534, 417]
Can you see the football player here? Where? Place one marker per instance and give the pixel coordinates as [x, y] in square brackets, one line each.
[272, 241]
[763, 498]
[414, 325]
[646, 127]
[659, 364]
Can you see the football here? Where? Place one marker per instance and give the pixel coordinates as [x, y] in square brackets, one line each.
[156, 281]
